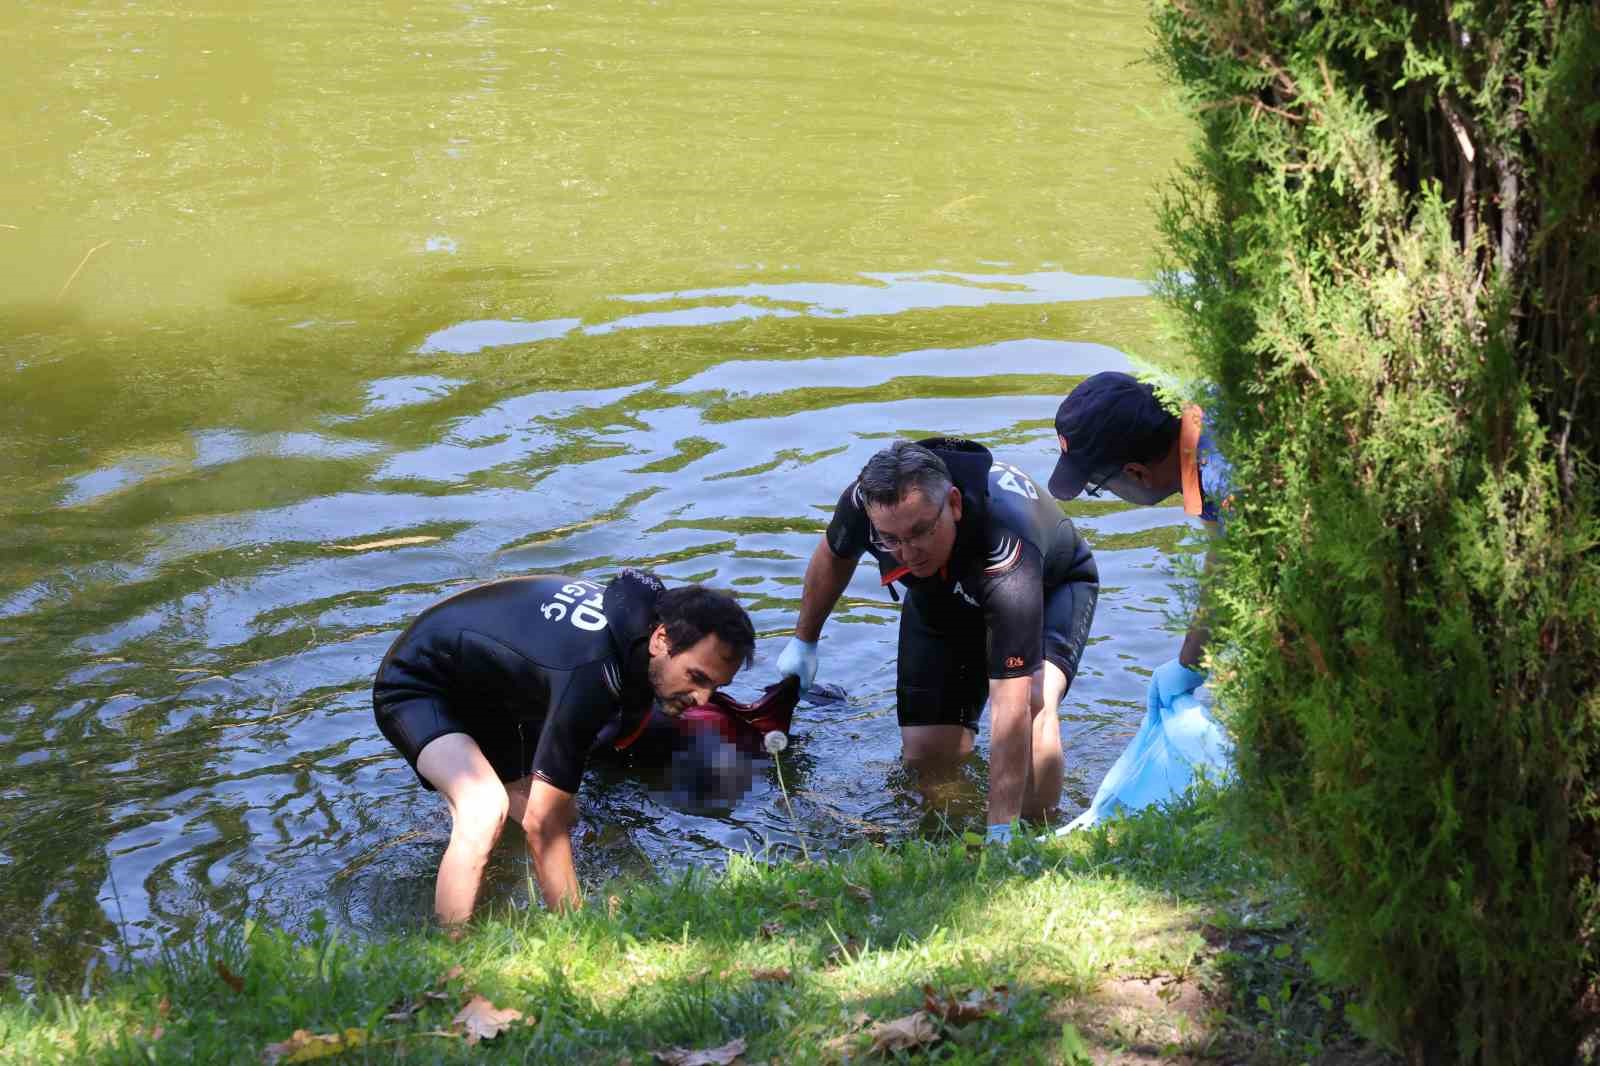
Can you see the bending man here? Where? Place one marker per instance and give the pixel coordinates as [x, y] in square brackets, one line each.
[1000, 594]
[1117, 437]
[497, 695]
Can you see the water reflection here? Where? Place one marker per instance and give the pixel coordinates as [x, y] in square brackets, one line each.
[889, 294]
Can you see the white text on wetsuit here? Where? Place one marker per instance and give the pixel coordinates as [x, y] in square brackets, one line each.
[1013, 480]
[587, 613]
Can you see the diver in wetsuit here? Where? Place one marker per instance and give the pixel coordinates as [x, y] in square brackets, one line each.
[497, 695]
[1000, 594]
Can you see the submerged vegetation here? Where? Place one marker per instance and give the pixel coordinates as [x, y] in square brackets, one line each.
[1151, 939]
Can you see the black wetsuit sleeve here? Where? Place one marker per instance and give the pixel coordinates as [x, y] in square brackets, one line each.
[1013, 609]
[847, 532]
[582, 710]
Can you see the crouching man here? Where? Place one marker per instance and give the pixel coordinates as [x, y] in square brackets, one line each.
[497, 695]
[1001, 591]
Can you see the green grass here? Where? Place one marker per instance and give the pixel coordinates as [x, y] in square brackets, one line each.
[1151, 939]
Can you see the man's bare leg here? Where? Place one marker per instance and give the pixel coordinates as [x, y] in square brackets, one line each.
[455, 766]
[1047, 770]
[934, 753]
[935, 744]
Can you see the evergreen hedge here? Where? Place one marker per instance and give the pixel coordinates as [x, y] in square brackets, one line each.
[1386, 257]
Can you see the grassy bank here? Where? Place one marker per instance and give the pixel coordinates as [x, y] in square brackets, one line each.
[1153, 940]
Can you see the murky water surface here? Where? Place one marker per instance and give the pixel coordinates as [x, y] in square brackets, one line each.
[312, 314]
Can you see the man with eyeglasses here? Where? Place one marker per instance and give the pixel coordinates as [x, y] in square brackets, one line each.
[1000, 594]
[1117, 437]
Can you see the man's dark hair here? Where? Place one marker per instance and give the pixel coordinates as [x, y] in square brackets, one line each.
[899, 468]
[694, 612]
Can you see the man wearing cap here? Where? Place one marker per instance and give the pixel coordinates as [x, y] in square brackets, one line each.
[497, 695]
[1000, 594]
[1117, 437]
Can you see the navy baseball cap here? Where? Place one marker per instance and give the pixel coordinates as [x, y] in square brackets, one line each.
[1110, 419]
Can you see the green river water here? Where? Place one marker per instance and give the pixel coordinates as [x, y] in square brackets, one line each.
[536, 287]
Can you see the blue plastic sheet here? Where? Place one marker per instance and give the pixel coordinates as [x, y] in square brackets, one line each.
[1160, 762]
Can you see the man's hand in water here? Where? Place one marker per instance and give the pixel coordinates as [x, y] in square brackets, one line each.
[799, 659]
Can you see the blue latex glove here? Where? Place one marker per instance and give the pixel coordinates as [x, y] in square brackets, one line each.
[799, 659]
[1171, 680]
[998, 834]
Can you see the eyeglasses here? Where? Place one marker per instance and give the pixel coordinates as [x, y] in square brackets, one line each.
[1100, 482]
[892, 545]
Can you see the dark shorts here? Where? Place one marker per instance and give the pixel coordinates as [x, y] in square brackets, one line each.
[411, 721]
[942, 676]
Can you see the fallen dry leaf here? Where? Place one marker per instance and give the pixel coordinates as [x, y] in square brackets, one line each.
[725, 1055]
[844, 1043]
[164, 1007]
[805, 901]
[388, 542]
[770, 929]
[971, 1007]
[915, 1030]
[774, 973]
[482, 1020]
[304, 1046]
[449, 975]
[861, 892]
[229, 978]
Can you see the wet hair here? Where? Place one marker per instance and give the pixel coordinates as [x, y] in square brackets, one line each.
[893, 472]
[694, 612]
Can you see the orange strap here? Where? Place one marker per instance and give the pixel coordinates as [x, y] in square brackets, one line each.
[895, 575]
[1189, 458]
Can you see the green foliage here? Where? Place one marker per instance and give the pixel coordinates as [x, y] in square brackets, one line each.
[1386, 255]
[1064, 923]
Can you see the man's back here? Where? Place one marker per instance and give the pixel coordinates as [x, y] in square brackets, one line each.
[508, 648]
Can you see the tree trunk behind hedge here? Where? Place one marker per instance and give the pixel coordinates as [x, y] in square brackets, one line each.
[1386, 256]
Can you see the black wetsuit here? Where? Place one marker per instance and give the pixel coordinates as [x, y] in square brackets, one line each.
[1020, 588]
[536, 670]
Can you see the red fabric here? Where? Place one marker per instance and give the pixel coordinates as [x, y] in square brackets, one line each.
[746, 725]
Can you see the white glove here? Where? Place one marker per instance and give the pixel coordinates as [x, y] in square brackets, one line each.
[799, 659]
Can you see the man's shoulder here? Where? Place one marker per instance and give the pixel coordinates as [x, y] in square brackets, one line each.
[1018, 511]
[850, 499]
[549, 621]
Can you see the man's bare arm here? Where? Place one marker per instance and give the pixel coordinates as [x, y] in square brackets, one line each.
[827, 575]
[1010, 746]
[1193, 651]
[547, 822]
